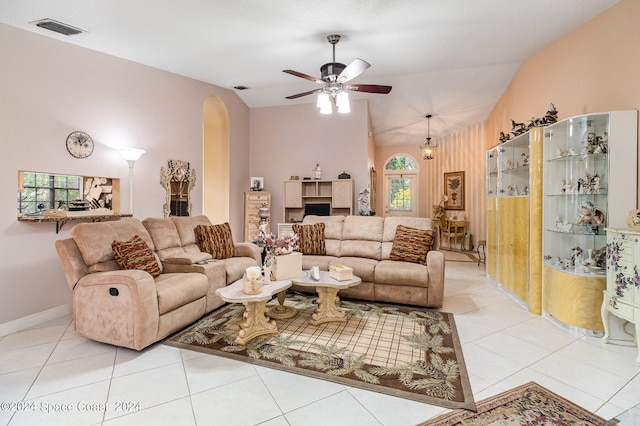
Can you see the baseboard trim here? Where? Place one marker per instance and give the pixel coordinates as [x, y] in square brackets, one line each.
[35, 319]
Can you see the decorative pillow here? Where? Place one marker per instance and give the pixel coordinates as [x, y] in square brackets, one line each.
[216, 240]
[411, 244]
[135, 254]
[311, 238]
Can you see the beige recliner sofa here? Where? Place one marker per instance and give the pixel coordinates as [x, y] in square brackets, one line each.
[130, 308]
[364, 243]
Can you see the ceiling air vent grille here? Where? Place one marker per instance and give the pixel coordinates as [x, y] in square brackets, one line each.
[58, 27]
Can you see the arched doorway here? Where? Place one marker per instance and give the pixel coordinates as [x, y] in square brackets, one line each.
[215, 158]
[400, 186]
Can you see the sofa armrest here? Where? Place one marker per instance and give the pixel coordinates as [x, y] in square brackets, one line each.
[117, 307]
[249, 250]
[435, 268]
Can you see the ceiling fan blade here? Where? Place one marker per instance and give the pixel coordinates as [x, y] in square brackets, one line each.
[299, 95]
[305, 76]
[370, 88]
[354, 69]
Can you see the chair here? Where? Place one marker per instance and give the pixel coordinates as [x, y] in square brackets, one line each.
[452, 231]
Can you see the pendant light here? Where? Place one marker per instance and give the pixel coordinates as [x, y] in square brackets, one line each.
[428, 150]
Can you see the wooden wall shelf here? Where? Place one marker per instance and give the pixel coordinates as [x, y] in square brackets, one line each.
[60, 221]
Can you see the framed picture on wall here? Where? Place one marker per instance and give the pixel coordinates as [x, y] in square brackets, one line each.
[454, 188]
[257, 184]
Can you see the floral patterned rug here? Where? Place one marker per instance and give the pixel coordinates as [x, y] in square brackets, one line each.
[528, 404]
[403, 351]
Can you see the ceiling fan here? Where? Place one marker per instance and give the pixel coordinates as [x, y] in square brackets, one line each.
[334, 78]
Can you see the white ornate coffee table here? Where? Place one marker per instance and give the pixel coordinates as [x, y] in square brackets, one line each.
[256, 322]
[327, 289]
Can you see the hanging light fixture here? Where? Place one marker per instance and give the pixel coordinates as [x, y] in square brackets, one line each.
[324, 103]
[342, 102]
[428, 150]
[333, 95]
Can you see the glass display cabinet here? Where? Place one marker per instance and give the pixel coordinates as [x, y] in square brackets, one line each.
[513, 166]
[588, 181]
[510, 179]
[492, 192]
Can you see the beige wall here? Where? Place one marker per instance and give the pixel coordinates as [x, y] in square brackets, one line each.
[290, 140]
[50, 88]
[595, 68]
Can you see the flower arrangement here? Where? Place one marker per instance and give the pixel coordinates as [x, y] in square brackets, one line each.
[439, 210]
[276, 246]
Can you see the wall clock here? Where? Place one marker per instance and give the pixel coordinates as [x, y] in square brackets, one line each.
[79, 144]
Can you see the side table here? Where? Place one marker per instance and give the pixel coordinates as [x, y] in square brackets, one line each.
[256, 323]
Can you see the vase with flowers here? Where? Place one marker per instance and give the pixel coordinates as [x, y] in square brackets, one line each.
[438, 211]
[274, 246]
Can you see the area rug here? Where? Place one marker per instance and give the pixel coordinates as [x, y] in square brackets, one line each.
[460, 256]
[402, 351]
[529, 404]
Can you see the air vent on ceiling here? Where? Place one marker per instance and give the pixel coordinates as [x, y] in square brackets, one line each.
[58, 27]
[240, 87]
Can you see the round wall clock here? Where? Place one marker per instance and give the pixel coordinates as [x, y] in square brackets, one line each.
[79, 144]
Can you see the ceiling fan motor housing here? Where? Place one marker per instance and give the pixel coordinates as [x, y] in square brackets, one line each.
[331, 71]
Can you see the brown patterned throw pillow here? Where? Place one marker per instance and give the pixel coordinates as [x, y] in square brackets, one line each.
[411, 244]
[135, 254]
[311, 238]
[216, 240]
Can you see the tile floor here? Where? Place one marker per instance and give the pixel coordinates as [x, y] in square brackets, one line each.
[54, 376]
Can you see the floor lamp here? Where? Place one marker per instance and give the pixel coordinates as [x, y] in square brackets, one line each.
[131, 155]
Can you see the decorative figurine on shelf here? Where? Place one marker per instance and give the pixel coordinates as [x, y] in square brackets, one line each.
[525, 158]
[504, 137]
[595, 184]
[318, 171]
[589, 214]
[551, 116]
[517, 128]
[600, 257]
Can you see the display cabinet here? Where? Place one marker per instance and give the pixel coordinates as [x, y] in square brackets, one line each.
[513, 167]
[622, 295]
[492, 191]
[589, 183]
[510, 182]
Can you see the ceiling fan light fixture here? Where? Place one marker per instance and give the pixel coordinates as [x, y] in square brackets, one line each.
[342, 102]
[324, 103]
[427, 150]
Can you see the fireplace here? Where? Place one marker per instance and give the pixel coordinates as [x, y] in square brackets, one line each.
[317, 209]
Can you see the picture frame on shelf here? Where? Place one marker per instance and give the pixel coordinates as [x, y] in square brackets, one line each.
[257, 183]
[454, 187]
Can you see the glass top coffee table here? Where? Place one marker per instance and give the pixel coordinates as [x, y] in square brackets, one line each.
[255, 322]
[327, 289]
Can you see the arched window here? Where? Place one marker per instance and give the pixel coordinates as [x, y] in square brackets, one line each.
[401, 162]
[400, 186]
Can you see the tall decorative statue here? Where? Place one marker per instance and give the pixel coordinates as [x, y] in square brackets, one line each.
[318, 171]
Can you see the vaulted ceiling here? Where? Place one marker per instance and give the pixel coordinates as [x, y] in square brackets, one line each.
[449, 58]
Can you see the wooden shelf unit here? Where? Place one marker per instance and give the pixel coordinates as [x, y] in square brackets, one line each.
[298, 193]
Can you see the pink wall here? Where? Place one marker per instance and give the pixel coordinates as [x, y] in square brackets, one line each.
[595, 68]
[290, 140]
[50, 88]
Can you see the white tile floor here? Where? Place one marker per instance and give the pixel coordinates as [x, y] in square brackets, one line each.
[66, 379]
